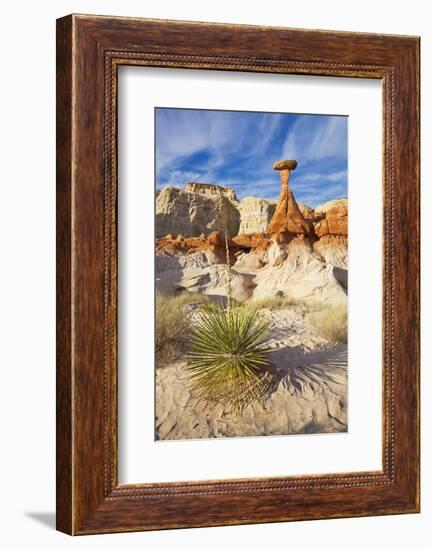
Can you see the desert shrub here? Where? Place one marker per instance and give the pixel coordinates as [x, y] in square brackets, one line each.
[227, 356]
[185, 298]
[277, 302]
[330, 323]
[173, 324]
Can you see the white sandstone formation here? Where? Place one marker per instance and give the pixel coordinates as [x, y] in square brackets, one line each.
[212, 190]
[294, 270]
[255, 215]
[330, 205]
[297, 272]
[192, 273]
[179, 211]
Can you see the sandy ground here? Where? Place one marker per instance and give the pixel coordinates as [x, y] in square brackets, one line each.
[309, 393]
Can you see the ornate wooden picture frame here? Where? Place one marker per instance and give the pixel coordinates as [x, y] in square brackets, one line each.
[89, 51]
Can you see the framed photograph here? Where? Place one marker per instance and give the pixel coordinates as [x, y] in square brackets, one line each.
[237, 274]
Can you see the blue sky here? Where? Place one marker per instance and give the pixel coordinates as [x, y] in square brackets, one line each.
[236, 149]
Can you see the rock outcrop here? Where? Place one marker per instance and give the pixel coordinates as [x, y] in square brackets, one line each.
[287, 216]
[176, 212]
[333, 249]
[212, 248]
[306, 211]
[261, 267]
[297, 272]
[212, 190]
[275, 249]
[330, 204]
[192, 273]
[181, 211]
[255, 215]
[335, 222]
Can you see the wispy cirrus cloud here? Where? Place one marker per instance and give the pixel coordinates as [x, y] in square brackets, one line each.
[314, 138]
[237, 149]
[174, 176]
[308, 177]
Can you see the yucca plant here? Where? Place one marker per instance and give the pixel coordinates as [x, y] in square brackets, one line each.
[228, 355]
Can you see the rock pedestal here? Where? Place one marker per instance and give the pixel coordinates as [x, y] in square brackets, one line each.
[287, 216]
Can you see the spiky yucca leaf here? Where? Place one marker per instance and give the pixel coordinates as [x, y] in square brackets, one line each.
[227, 356]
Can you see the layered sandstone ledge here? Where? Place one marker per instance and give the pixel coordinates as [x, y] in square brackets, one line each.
[187, 212]
[210, 189]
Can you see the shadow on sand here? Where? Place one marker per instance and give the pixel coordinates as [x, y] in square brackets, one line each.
[307, 374]
[304, 372]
